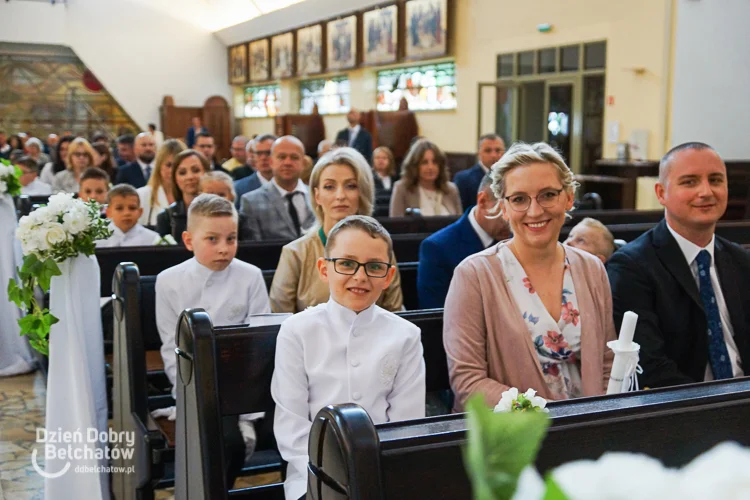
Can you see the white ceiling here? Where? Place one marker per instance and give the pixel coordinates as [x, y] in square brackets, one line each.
[214, 15]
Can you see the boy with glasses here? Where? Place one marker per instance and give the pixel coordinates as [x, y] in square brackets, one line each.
[346, 350]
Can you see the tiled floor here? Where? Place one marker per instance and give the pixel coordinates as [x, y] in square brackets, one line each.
[21, 412]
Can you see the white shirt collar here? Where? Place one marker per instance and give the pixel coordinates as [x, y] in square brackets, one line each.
[263, 180]
[486, 169]
[689, 249]
[300, 188]
[484, 236]
[355, 129]
[144, 165]
[346, 316]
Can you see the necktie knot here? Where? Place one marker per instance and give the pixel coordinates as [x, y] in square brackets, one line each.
[703, 259]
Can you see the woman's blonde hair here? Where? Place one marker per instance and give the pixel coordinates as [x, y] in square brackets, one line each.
[80, 141]
[171, 147]
[353, 159]
[410, 166]
[521, 154]
[391, 161]
[218, 176]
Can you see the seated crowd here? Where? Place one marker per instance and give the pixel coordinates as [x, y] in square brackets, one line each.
[521, 309]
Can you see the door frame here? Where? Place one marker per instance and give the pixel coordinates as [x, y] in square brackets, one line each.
[513, 89]
[576, 118]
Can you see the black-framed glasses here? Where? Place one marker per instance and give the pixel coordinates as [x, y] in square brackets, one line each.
[262, 153]
[350, 267]
[546, 198]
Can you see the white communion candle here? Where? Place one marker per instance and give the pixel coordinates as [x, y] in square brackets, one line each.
[626, 355]
[627, 330]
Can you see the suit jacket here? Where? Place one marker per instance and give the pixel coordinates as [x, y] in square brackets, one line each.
[652, 278]
[241, 172]
[244, 186]
[132, 174]
[268, 217]
[468, 181]
[190, 136]
[439, 254]
[362, 143]
[402, 198]
[488, 346]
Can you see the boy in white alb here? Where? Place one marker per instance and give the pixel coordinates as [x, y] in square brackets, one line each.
[123, 210]
[346, 350]
[30, 183]
[229, 290]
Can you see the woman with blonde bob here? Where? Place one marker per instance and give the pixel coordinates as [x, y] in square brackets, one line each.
[424, 183]
[341, 185]
[80, 157]
[157, 194]
[529, 312]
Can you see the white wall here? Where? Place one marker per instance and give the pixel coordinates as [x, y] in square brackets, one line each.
[710, 93]
[139, 54]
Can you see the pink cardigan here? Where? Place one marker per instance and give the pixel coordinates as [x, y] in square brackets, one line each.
[488, 346]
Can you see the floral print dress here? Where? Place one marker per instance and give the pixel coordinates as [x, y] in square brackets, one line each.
[557, 343]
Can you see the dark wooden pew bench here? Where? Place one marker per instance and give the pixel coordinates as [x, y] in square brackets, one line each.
[355, 459]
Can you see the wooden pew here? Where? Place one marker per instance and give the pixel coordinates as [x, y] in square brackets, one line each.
[25, 204]
[227, 371]
[353, 459]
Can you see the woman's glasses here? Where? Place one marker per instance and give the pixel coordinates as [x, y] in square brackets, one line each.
[546, 198]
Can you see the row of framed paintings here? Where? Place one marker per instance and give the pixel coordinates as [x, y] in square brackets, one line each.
[410, 30]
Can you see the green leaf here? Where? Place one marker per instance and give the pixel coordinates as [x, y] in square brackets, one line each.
[28, 262]
[14, 293]
[49, 268]
[554, 492]
[499, 447]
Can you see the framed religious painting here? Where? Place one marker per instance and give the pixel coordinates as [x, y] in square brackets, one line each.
[282, 55]
[238, 64]
[380, 35]
[259, 60]
[341, 48]
[310, 50]
[426, 29]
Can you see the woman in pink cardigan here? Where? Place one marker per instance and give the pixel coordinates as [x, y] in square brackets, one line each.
[529, 312]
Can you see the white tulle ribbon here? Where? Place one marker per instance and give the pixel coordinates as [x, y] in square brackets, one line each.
[625, 368]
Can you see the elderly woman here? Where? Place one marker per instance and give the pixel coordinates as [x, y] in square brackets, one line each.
[221, 184]
[188, 167]
[35, 150]
[80, 157]
[529, 312]
[424, 183]
[157, 194]
[341, 184]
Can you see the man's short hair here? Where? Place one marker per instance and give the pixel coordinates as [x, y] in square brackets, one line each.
[609, 240]
[488, 137]
[121, 190]
[210, 205]
[265, 137]
[94, 173]
[289, 138]
[666, 160]
[486, 185]
[99, 136]
[126, 139]
[250, 146]
[203, 134]
[364, 223]
[28, 162]
[151, 125]
[324, 143]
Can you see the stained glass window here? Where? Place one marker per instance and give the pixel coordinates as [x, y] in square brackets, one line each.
[332, 95]
[262, 101]
[428, 87]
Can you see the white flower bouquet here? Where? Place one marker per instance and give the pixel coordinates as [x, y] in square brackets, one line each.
[9, 179]
[63, 229]
[512, 401]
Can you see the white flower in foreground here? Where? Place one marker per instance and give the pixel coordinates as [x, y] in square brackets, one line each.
[60, 203]
[3, 187]
[76, 220]
[54, 233]
[506, 401]
[718, 473]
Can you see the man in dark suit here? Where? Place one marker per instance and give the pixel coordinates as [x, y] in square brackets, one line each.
[440, 253]
[491, 149]
[356, 136]
[193, 131]
[687, 285]
[204, 142]
[263, 173]
[138, 172]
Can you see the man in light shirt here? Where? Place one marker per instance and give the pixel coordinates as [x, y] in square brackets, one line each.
[687, 285]
[356, 136]
[239, 155]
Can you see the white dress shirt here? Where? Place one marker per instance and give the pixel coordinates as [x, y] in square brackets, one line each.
[138, 236]
[690, 250]
[353, 132]
[386, 180]
[329, 354]
[150, 212]
[483, 235]
[143, 169]
[37, 188]
[264, 181]
[230, 297]
[300, 202]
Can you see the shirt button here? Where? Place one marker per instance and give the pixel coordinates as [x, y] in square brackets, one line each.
[209, 283]
[357, 396]
[355, 363]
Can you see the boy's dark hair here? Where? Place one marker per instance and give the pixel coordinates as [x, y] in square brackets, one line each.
[123, 190]
[364, 223]
[126, 139]
[94, 173]
[203, 134]
[28, 162]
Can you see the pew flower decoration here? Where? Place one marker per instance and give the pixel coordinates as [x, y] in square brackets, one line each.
[512, 401]
[63, 229]
[167, 240]
[10, 178]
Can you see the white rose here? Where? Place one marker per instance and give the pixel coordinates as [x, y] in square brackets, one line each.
[60, 203]
[506, 401]
[54, 233]
[718, 473]
[75, 221]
